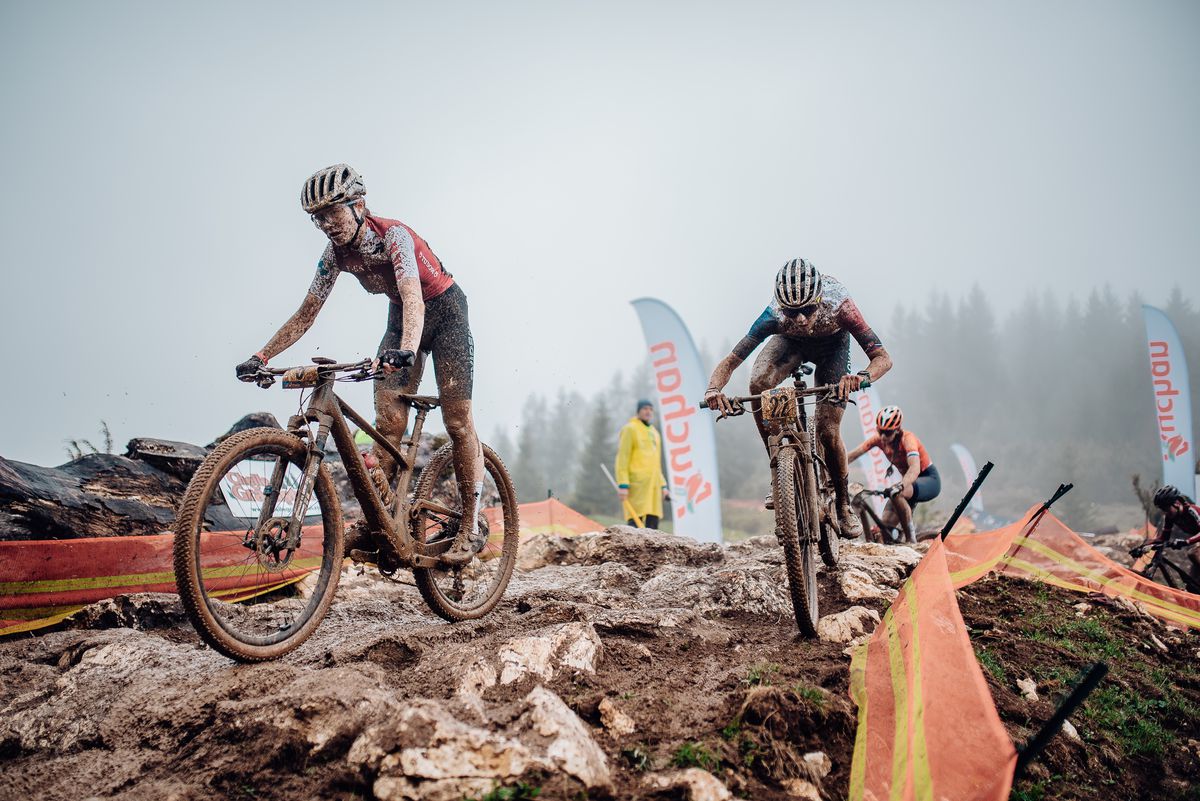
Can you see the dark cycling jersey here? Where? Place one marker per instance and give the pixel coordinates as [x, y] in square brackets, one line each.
[1187, 521]
[835, 313]
[387, 252]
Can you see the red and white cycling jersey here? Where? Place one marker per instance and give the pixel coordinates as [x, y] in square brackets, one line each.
[388, 251]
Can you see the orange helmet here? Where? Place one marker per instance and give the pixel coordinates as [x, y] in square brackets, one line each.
[889, 418]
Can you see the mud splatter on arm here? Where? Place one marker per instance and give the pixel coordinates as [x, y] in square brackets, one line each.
[295, 327]
[851, 320]
[414, 314]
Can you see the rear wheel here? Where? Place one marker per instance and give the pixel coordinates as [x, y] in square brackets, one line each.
[252, 587]
[474, 589]
[794, 513]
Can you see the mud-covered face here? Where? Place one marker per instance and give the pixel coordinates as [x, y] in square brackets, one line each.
[338, 221]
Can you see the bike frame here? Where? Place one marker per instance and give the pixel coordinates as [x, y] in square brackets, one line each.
[329, 412]
[1161, 562]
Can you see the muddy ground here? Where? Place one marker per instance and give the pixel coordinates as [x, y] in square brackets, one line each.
[621, 665]
[626, 665]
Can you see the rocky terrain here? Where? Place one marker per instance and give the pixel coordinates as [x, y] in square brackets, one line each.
[626, 664]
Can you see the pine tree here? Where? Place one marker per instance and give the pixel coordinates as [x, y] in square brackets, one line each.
[593, 492]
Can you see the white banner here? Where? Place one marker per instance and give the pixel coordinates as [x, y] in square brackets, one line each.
[873, 462]
[967, 463]
[688, 439]
[1172, 400]
[243, 489]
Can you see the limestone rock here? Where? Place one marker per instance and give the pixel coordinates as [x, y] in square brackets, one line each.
[845, 626]
[699, 785]
[614, 720]
[571, 646]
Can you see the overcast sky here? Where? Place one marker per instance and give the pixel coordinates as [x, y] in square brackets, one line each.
[561, 158]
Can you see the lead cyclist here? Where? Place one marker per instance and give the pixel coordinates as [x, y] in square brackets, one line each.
[427, 315]
[811, 319]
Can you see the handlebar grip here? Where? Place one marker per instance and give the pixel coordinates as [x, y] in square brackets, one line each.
[866, 382]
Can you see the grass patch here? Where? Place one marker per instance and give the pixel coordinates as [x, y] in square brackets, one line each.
[695, 755]
[814, 695]
[761, 674]
[1131, 719]
[732, 729]
[514, 792]
[991, 664]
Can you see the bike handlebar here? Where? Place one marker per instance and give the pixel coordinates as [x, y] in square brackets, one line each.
[265, 377]
[822, 393]
[1138, 550]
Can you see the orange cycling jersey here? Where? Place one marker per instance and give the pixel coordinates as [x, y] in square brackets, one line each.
[898, 450]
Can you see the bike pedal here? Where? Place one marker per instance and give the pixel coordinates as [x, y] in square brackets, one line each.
[363, 557]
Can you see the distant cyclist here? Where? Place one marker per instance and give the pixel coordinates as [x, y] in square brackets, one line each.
[919, 480]
[811, 319]
[427, 315]
[1179, 513]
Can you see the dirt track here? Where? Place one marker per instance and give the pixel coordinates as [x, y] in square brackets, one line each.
[623, 665]
[690, 645]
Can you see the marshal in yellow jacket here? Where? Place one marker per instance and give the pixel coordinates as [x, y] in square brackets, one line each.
[639, 467]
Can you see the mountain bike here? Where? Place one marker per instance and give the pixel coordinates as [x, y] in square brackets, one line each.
[805, 501]
[259, 533]
[1181, 580]
[874, 529]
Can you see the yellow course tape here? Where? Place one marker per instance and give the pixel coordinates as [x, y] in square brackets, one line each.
[858, 692]
[135, 579]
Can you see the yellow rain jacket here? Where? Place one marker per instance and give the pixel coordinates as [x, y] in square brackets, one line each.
[639, 467]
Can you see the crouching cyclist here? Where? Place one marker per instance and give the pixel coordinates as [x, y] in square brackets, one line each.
[811, 319]
[920, 481]
[1179, 513]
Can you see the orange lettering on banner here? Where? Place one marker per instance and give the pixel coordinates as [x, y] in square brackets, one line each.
[1164, 393]
[690, 486]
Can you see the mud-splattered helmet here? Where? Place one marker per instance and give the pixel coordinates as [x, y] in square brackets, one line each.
[890, 418]
[336, 184]
[797, 284]
[1166, 496]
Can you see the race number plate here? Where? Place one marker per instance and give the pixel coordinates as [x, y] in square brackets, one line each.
[779, 404]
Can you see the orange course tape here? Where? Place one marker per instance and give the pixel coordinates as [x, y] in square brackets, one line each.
[907, 745]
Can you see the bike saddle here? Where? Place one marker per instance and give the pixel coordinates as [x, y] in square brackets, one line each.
[426, 402]
[803, 370]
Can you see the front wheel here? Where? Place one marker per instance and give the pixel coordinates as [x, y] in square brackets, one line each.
[794, 515]
[254, 588]
[469, 591]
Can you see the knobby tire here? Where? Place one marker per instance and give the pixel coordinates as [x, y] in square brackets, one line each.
[793, 514]
[190, 524]
[426, 578]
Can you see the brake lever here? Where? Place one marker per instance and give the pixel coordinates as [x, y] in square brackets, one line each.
[264, 380]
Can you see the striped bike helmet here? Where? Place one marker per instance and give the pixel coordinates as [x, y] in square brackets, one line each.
[797, 284]
[889, 418]
[336, 184]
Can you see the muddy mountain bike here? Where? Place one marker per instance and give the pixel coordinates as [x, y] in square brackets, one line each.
[259, 534]
[805, 502]
[1173, 575]
[874, 529]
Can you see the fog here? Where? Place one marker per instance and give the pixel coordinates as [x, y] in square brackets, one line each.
[562, 159]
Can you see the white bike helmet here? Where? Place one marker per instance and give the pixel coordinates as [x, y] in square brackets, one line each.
[336, 184]
[797, 284]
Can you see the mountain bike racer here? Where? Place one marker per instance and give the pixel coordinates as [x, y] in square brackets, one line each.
[1179, 513]
[920, 480]
[427, 315]
[811, 319]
